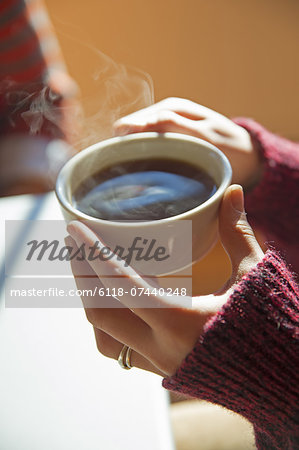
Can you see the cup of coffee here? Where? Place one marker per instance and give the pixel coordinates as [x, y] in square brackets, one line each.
[152, 198]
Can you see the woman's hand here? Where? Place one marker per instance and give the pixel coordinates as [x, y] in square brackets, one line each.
[184, 116]
[160, 334]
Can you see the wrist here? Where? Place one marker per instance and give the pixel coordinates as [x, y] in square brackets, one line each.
[254, 166]
[246, 159]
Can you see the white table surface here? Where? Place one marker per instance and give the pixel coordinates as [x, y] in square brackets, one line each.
[56, 391]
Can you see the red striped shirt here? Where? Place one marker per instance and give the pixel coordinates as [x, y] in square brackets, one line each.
[30, 60]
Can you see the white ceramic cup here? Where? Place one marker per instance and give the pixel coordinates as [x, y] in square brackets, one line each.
[187, 237]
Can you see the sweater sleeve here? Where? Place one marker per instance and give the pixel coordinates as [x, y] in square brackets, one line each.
[273, 205]
[247, 358]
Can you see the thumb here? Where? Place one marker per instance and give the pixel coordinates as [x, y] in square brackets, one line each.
[236, 234]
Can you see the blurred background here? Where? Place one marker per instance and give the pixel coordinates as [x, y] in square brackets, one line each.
[236, 56]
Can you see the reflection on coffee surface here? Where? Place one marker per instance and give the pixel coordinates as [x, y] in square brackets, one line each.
[144, 190]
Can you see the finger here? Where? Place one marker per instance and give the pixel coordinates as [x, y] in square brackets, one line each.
[160, 121]
[186, 108]
[165, 116]
[236, 234]
[88, 282]
[114, 274]
[111, 348]
[107, 313]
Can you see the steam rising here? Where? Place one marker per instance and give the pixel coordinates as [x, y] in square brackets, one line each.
[29, 106]
[64, 122]
[114, 91]
[118, 91]
[41, 108]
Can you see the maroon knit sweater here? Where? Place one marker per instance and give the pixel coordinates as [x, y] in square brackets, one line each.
[273, 206]
[247, 358]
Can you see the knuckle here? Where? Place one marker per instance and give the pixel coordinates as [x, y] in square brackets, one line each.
[242, 227]
[162, 121]
[103, 342]
[91, 315]
[244, 230]
[164, 116]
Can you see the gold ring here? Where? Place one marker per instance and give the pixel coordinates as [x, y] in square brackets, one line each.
[128, 358]
[124, 358]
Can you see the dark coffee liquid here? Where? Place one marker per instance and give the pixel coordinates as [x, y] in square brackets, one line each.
[144, 190]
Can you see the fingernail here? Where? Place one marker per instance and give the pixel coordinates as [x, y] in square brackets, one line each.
[236, 197]
[71, 229]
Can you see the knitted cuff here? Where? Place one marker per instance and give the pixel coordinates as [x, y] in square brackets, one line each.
[247, 359]
[270, 202]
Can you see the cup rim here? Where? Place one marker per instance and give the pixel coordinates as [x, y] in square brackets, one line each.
[66, 169]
